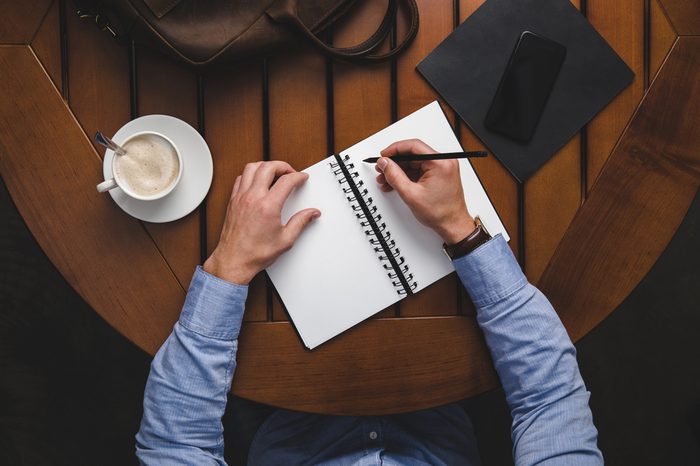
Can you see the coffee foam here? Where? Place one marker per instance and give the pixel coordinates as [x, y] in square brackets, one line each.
[149, 166]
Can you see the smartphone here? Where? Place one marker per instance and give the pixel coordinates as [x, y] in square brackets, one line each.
[525, 86]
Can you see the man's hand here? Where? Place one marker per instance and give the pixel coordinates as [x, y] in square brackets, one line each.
[431, 189]
[253, 235]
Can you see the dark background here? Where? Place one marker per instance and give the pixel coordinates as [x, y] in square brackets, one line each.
[71, 387]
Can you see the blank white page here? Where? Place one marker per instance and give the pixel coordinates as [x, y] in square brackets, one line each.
[332, 279]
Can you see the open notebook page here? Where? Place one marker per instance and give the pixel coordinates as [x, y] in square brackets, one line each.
[419, 245]
[332, 279]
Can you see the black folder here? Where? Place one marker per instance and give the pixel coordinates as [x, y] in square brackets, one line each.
[467, 66]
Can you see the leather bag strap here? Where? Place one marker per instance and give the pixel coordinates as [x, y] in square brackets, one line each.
[285, 11]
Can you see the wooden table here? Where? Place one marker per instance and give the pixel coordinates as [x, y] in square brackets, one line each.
[584, 229]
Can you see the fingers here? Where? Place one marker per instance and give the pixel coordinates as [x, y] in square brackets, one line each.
[285, 185]
[412, 170]
[298, 222]
[407, 146]
[266, 174]
[236, 186]
[396, 178]
[263, 174]
[248, 175]
[383, 185]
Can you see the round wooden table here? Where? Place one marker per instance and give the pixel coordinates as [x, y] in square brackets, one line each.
[586, 227]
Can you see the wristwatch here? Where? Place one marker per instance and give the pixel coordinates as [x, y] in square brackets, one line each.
[475, 239]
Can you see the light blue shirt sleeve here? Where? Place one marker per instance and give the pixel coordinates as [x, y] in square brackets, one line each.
[534, 358]
[190, 377]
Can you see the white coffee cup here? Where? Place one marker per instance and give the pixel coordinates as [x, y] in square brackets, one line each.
[117, 180]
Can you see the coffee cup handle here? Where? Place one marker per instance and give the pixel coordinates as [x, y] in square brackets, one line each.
[106, 185]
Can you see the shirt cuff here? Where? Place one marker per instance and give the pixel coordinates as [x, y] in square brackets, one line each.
[214, 307]
[490, 273]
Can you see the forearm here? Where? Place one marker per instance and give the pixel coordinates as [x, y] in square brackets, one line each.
[534, 358]
[190, 377]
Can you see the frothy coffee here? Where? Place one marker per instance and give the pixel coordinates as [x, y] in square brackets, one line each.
[149, 166]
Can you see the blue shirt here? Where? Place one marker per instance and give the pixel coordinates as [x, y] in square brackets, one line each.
[191, 375]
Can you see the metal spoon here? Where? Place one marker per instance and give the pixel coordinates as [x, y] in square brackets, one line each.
[109, 144]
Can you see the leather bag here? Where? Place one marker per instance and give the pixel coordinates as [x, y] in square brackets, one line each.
[206, 32]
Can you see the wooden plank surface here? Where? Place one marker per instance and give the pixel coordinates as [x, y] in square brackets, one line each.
[361, 93]
[47, 44]
[621, 23]
[436, 23]
[103, 253]
[20, 19]
[298, 116]
[98, 78]
[684, 15]
[168, 88]
[552, 198]
[233, 114]
[410, 372]
[637, 204]
[442, 297]
[662, 37]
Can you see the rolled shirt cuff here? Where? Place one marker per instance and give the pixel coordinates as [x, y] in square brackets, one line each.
[214, 307]
[490, 273]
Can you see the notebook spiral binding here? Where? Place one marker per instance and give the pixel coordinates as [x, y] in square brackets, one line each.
[371, 221]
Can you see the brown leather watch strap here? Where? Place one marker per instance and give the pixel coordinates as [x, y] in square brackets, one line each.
[475, 239]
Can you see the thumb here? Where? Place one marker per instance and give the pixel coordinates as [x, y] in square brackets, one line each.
[395, 176]
[296, 224]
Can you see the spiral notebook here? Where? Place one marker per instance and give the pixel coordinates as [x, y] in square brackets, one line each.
[366, 251]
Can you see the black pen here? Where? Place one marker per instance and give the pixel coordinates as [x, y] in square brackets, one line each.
[422, 157]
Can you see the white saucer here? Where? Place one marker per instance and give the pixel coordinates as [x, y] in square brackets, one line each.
[197, 172]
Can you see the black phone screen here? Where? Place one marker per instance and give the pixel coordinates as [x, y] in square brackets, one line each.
[525, 86]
